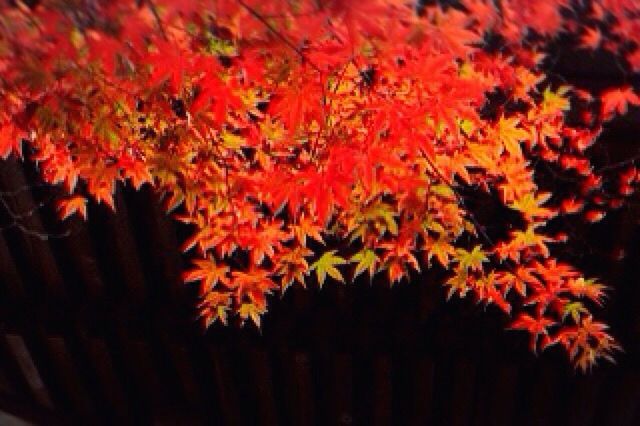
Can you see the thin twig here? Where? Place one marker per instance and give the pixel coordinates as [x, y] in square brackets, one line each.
[16, 220]
[459, 199]
[33, 233]
[156, 16]
[278, 34]
[21, 189]
[619, 164]
[14, 215]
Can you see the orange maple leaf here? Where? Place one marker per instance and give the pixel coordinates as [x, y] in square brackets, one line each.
[76, 204]
[535, 326]
[208, 272]
[510, 135]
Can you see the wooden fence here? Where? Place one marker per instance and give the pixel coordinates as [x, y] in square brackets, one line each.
[97, 328]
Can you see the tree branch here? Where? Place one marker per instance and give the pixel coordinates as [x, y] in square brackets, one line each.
[279, 35]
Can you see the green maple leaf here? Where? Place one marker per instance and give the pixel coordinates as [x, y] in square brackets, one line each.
[575, 310]
[326, 265]
[366, 259]
[249, 310]
[471, 259]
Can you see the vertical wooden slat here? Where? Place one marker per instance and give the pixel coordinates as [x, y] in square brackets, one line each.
[462, 397]
[12, 381]
[226, 387]
[79, 250]
[70, 379]
[501, 400]
[539, 408]
[299, 387]
[122, 260]
[145, 369]
[33, 237]
[110, 385]
[29, 370]
[624, 399]
[382, 403]
[162, 249]
[266, 407]
[9, 275]
[341, 389]
[179, 356]
[583, 400]
[6, 387]
[117, 341]
[421, 391]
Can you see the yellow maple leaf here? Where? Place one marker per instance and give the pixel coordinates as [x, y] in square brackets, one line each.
[555, 102]
[510, 135]
[471, 259]
[326, 265]
[530, 206]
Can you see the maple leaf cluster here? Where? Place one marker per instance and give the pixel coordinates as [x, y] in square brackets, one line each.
[330, 139]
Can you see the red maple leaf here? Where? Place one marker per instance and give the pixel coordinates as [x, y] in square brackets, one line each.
[535, 326]
[616, 101]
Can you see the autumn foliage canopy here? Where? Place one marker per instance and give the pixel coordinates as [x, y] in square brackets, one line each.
[307, 141]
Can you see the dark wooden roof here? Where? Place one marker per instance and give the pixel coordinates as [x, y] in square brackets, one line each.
[97, 328]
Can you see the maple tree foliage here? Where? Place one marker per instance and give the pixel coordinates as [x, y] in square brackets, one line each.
[316, 140]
